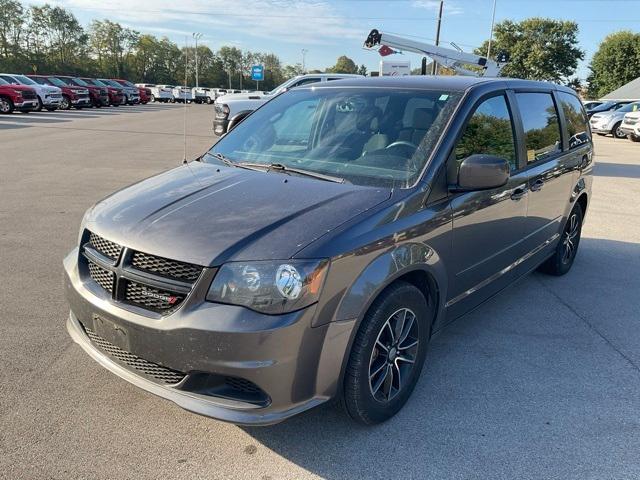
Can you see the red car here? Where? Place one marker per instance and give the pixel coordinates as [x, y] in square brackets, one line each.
[99, 95]
[72, 96]
[116, 97]
[17, 97]
[145, 95]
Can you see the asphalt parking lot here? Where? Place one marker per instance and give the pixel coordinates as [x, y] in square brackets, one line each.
[541, 382]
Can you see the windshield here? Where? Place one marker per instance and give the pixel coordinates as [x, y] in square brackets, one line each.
[111, 82]
[630, 107]
[3, 82]
[57, 82]
[79, 81]
[368, 136]
[24, 80]
[95, 82]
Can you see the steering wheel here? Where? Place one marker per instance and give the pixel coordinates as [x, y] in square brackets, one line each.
[401, 143]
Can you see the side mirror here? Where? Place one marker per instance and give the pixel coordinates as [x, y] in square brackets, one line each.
[237, 118]
[480, 172]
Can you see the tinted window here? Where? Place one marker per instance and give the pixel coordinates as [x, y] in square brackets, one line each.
[305, 81]
[541, 127]
[489, 132]
[577, 123]
[8, 79]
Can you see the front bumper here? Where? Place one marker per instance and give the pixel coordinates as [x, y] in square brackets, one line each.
[51, 101]
[600, 128]
[26, 105]
[81, 102]
[295, 365]
[630, 129]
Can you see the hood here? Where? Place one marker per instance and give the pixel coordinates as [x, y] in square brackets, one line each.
[20, 88]
[207, 215]
[610, 115]
[243, 96]
[51, 89]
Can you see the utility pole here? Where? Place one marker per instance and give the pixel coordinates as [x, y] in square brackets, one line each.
[197, 36]
[493, 21]
[434, 65]
[304, 54]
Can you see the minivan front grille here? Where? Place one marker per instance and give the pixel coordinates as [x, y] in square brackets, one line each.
[101, 276]
[157, 372]
[165, 267]
[106, 247]
[152, 298]
[150, 282]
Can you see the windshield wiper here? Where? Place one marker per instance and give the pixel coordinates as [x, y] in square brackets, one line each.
[279, 167]
[307, 173]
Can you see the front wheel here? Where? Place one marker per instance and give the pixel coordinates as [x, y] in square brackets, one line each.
[567, 249]
[617, 133]
[387, 354]
[6, 105]
[65, 104]
[634, 138]
[39, 107]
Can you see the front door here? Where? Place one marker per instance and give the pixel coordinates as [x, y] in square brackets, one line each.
[488, 225]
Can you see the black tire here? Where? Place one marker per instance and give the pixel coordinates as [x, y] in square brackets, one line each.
[51, 109]
[567, 248]
[65, 103]
[6, 106]
[634, 138]
[383, 359]
[152, 98]
[617, 133]
[39, 107]
[209, 101]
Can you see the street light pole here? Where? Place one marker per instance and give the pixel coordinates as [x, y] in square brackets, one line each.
[304, 54]
[197, 36]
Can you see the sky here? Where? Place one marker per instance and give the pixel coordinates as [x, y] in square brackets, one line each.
[327, 29]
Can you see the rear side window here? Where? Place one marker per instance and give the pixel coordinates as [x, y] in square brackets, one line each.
[489, 132]
[541, 126]
[305, 81]
[577, 123]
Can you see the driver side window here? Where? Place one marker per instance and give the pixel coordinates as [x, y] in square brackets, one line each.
[488, 132]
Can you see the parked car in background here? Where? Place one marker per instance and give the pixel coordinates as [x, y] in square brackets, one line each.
[631, 125]
[588, 105]
[225, 109]
[199, 94]
[182, 94]
[72, 96]
[17, 97]
[116, 97]
[162, 93]
[607, 106]
[145, 95]
[49, 97]
[99, 95]
[610, 122]
[130, 93]
[312, 253]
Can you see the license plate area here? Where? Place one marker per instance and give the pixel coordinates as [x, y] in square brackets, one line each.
[112, 332]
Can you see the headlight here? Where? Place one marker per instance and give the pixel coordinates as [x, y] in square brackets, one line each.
[222, 110]
[269, 287]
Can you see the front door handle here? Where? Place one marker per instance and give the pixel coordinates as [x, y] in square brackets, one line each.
[537, 185]
[518, 193]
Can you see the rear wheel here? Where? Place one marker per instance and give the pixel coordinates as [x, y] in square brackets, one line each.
[567, 249]
[617, 133]
[6, 105]
[387, 354]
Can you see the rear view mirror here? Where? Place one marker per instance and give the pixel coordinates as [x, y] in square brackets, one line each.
[480, 172]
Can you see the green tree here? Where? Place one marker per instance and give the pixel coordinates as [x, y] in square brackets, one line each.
[231, 58]
[12, 19]
[538, 48]
[112, 44]
[615, 63]
[362, 70]
[344, 65]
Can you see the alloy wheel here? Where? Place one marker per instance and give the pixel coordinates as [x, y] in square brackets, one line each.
[5, 106]
[570, 238]
[393, 355]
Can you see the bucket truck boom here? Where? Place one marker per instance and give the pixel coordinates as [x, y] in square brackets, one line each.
[447, 57]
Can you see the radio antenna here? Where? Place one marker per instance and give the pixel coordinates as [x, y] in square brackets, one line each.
[184, 99]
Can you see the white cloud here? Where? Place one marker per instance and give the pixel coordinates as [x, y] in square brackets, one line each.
[293, 21]
[450, 8]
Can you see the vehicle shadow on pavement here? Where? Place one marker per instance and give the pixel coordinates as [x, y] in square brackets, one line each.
[542, 381]
[617, 170]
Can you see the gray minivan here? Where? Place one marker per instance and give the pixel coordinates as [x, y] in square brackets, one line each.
[315, 249]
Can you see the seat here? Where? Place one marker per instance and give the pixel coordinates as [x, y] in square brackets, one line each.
[422, 120]
[377, 140]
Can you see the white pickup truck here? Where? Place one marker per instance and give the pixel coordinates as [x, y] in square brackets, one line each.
[182, 94]
[232, 104]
